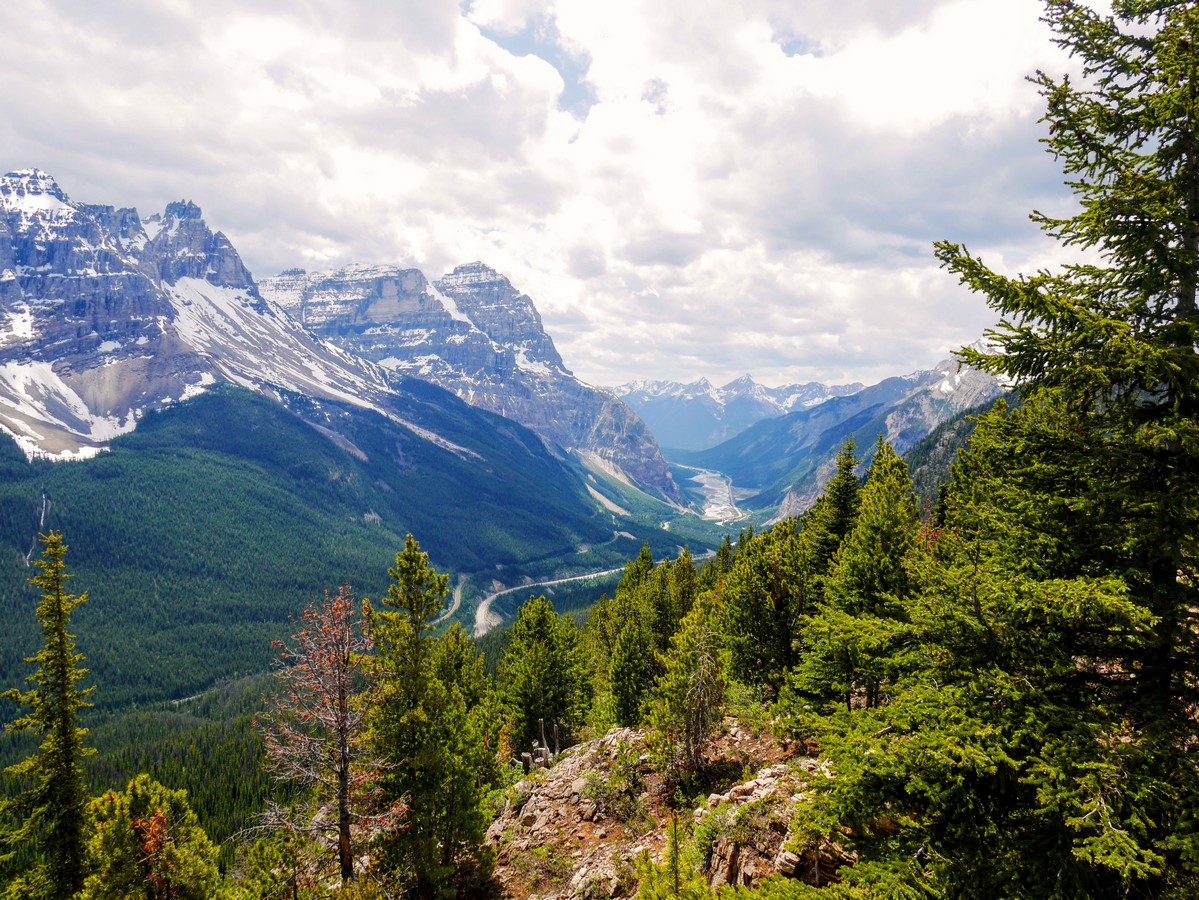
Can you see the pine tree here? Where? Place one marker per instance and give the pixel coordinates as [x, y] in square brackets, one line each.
[542, 676]
[435, 724]
[687, 703]
[1041, 740]
[1100, 459]
[769, 589]
[836, 510]
[148, 843]
[629, 671]
[53, 810]
[627, 634]
[860, 627]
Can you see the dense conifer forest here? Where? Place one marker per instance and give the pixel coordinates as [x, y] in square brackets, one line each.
[1001, 683]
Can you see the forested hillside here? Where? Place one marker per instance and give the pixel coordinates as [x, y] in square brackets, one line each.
[202, 532]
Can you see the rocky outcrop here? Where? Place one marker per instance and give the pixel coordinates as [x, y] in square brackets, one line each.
[474, 334]
[559, 833]
[578, 829]
[181, 245]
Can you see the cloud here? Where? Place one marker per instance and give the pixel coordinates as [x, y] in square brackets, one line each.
[685, 189]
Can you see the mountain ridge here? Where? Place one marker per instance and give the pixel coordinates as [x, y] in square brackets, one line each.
[473, 333]
[698, 415]
[784, 461]
[105, 315]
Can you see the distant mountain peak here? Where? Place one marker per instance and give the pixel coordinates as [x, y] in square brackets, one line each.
[182, 209]
[473, 333]
[697, 416]
[32, 192]
[745, 382]
[475, 272]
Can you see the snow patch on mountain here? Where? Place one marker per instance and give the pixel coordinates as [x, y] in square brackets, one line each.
[39, 410]
[104, 315]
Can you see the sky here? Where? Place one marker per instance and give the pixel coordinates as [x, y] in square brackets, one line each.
[686, 188]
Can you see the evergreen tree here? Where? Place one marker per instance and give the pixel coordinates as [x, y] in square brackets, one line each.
[715, 568]
[636, 571]
[1103, 452]
[52, 812]
[148, 843]
[436, 726]
[1042, 741]
[687, 703]
[771, 586]
[627, 634]
[542, 675]
[836, 510]
[629, 671]
[860, 625]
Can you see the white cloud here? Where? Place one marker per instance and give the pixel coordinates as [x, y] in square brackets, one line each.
[685, 189]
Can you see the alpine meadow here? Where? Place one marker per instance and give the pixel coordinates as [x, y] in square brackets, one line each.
[377, 599]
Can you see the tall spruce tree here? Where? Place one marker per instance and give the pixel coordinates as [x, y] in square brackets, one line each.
[1101, 459]
[52, 812]
[769, 589]
[832, 518]
[860, 626]
[542, 676]
[687, 702]
[1042, 741]
[435, 725]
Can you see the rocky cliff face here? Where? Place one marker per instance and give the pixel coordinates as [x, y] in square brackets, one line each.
[83, 328]
[474, 334]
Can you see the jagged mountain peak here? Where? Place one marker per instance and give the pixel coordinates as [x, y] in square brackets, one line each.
[102, 319]
[475, 334]
[181, 210]
[181, 245]
[475, 272]
[29, 183]
[34, 198]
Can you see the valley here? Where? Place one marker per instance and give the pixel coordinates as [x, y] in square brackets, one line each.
[719, 496]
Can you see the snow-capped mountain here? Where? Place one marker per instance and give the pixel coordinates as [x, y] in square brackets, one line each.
[104, 315]
[474, 334]
[785, 460]
[699, 415]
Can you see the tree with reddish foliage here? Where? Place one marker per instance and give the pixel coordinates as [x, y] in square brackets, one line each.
[314, 734]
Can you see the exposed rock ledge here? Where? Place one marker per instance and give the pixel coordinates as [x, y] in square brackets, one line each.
[577, 829]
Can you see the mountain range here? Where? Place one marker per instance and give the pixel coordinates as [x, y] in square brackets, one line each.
[104, 315]
[780, 464]
[224, 461]
[238, 442]
[698, 415]
[474, 334]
